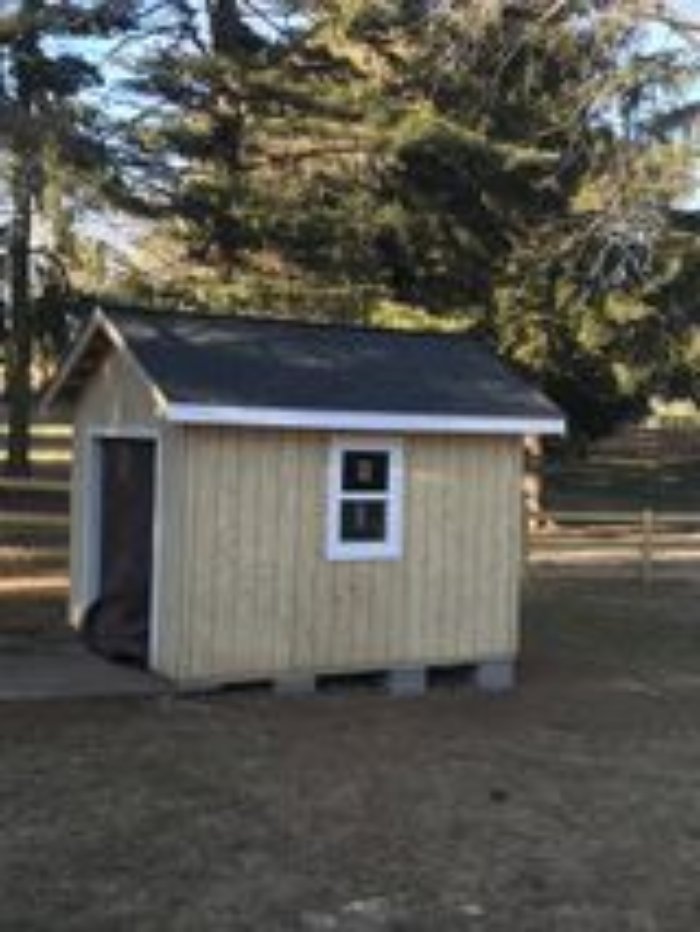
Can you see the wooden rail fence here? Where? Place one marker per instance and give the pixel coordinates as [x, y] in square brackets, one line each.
[8, 484]
[19, 518]
[51, 445]
[647, 536]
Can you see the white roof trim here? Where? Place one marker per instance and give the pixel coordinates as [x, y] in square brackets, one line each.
[98, 321]
[298, 418]
[310, 419]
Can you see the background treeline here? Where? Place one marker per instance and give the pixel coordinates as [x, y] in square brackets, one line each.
[521, 169]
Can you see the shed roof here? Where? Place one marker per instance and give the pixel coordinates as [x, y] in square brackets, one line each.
[216, 369]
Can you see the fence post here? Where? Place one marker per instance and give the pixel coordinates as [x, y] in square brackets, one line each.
[647, 545]
[525, 532]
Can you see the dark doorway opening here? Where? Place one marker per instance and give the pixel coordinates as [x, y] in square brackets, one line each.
[117, 624]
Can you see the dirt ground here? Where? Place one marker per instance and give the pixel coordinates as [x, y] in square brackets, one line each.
[572, 805]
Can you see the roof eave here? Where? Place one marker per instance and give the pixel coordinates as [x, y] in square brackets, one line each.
[376, 422]
[99, 323]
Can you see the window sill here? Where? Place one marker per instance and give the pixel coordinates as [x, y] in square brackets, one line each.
[350, 554]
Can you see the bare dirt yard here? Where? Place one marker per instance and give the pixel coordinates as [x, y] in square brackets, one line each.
[572, 805]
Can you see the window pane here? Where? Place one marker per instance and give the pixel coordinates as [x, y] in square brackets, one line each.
[363, 521]
[365, 471]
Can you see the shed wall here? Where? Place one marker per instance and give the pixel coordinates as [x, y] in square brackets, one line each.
[250, 591]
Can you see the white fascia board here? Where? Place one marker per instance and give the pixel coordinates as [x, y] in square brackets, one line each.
[98, 322]
[309, 419]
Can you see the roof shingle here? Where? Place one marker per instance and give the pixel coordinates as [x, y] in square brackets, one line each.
[260, 363]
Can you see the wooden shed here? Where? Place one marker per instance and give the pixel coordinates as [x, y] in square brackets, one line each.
[258, 499]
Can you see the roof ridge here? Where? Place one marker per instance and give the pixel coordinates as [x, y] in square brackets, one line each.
[225, 317]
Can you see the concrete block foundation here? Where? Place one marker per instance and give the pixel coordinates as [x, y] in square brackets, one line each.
[295, 685]
[407, 681]
[495, 676]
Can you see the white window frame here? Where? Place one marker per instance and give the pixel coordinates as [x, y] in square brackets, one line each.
[391, 548]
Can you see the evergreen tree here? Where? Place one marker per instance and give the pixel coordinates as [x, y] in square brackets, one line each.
[45, 122]
[508, 163]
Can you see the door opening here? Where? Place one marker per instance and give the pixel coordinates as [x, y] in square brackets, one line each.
[117, 623]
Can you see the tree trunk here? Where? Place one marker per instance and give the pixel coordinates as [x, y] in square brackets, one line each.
[19, 347]
[19, 344]
[227, 29]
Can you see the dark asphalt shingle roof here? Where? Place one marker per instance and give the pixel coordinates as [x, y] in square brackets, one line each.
[250, 362]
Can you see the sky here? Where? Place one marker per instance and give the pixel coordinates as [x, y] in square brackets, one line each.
[661, 37]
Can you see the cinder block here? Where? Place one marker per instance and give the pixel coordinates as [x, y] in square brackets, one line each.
[295, 685]
[407, 681]
[495, 676]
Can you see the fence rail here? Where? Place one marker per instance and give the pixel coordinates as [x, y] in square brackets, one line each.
[33, 520]
[622, 517]
[51, 445]
[30, 486]
[49, 431]
[646, 536]
[29, 507]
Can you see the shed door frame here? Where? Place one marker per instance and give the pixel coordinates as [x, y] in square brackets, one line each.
[92, 520]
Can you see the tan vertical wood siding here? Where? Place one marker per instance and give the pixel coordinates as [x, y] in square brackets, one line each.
[256, 594]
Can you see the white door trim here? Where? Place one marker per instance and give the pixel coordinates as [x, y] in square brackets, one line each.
[91, 532]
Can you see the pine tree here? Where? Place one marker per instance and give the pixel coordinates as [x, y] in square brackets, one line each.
[510, 164]
[43, 117]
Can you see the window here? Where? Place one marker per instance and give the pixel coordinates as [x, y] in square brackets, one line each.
[364, 502]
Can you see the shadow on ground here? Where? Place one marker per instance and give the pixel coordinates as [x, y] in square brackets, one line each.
[42, 658]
